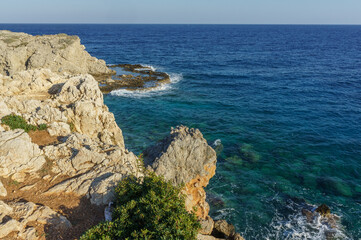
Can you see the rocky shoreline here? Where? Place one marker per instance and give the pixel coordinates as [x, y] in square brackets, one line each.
[145, 78]
[52, 178]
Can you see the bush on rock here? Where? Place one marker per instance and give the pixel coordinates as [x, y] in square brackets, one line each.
[147, 209]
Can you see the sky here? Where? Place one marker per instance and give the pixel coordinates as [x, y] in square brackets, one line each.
[182, 11]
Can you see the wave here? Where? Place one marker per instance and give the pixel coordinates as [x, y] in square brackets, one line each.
[296, 227]
[147, 66]
[159, 90]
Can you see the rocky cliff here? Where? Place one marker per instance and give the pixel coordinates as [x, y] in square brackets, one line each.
[56, 179]
[59, 53]
[80, 154]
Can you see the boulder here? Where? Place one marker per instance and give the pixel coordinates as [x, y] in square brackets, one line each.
[222, 229]
[18, 163]
[185, 158]
[207, 226]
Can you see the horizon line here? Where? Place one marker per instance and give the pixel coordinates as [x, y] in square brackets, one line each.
[75, 23]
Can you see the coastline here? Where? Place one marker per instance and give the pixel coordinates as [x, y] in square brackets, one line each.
[81, 155]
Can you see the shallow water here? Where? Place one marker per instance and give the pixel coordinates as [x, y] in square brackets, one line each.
[285, 101]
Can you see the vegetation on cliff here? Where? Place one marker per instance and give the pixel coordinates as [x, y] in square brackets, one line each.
[151, 208]
[18, 122]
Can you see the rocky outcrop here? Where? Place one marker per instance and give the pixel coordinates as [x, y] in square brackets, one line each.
[139, 78]
[59, 53]
[60, 101]
[17, 217]
[88, 158]
[185, 158]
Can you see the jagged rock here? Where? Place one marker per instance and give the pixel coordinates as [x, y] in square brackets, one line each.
[15, 162]
[4, 210]
[8, 227]
[205, 237]
[95, 167]
[20, 214]
[222, 229]
[60, 53]
[207, 226]
[29, 234]
[323, 210]
[65, 103]
[3, 191]
[184, 157]
[59, 129]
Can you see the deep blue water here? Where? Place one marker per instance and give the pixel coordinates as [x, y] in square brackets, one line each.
[285, 101]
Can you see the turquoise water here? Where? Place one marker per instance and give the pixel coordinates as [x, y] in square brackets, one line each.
[285, 102]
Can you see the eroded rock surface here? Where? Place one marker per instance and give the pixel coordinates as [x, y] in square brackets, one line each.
[16, 217]
[62, 102]
[59, 53]
[86, 159]
[185, 158]
[17, 162]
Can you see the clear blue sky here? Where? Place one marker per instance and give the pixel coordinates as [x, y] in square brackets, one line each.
[182, 11]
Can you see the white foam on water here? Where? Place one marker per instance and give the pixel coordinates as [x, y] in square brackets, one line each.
[296, 227]
[217, 142]
[147, 67]
[159, 90]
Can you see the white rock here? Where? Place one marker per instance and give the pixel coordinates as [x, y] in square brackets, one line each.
[13, 161]
[3, 192]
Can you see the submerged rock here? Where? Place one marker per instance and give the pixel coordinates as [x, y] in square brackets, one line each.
[323, 210]
[140, 78]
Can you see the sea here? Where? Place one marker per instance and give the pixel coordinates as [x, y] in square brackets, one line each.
[281, 104]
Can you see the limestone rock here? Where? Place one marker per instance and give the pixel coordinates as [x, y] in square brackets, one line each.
[59, 129]
[206, 226]
[15, 162]
[205, 237]
[20, 214]
[4, 210]
[3, 192]
[222, 229]
[65, 103]
[60, 53]
[184, 157]
[87, 111]
[95, 168]
[8, 227]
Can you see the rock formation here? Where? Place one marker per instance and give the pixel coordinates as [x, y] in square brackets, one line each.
[185, 159]
[87, 157]
[17, 218]
[59, 53]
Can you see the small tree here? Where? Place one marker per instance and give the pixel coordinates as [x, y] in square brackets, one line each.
[147, 209]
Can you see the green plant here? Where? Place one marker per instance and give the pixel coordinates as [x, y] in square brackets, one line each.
[72, 126]
[18, 122]
[147, 209]
[42, 127]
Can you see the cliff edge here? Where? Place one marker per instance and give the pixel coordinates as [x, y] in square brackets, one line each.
[61, 151]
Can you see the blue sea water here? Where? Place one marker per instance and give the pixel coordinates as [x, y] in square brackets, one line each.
[285, 101]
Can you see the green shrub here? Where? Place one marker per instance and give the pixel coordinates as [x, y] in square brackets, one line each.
[18, 122]
[152, 209]
[42, 127]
